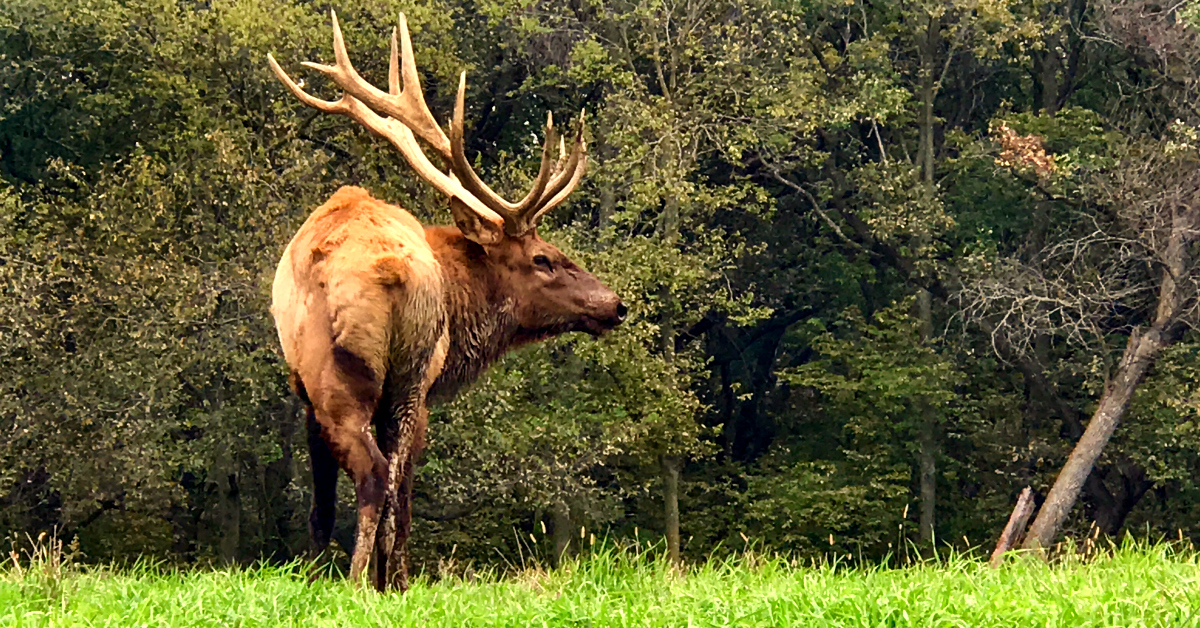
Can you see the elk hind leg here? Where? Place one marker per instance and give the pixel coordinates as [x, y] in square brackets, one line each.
[344, 411]
[367, 465]
[386, 433]
[401, 515]
[413, 421]
[399, 427]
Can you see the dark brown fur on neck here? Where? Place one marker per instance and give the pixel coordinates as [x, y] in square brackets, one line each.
[482, 306]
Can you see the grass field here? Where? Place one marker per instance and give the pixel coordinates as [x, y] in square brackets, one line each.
[1146, 586]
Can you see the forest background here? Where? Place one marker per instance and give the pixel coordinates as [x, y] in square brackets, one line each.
[883, 261]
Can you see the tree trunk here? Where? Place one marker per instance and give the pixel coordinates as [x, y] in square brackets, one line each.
[1141, 351]
[1046, 67]
[670, 465]
[562, 532]
[928, 47]
[1109, 511]
[729, 402]
[927, 464]
[231, 519]
[281, 541]
[608, 205]
[926, 433]
[670, 462]
[927, 437]
[1014, 527]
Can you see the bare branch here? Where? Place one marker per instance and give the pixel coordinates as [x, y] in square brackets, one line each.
[817, 208]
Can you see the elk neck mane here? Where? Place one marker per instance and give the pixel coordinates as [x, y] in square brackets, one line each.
[479, 313]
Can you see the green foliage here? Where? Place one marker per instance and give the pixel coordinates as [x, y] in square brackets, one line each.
[769, 184]
[878, 379]
[1191, 14]
[1162, 434]
[878, 372]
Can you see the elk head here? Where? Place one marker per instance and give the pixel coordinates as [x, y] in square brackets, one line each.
[549, 293]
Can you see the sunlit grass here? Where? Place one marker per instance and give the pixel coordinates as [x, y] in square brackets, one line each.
[1131, 586]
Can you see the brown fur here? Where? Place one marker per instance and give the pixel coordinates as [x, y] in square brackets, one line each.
[377, 315]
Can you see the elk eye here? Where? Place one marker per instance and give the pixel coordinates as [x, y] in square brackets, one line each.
[543, 262]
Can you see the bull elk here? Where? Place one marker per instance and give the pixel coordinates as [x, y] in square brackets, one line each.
[379, 316]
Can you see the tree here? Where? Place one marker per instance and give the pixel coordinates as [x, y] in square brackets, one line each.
[1127, 259]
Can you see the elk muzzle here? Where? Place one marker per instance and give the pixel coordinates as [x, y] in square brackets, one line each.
[606, 312]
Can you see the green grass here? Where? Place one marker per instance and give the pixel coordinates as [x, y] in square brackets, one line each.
[1134, 586]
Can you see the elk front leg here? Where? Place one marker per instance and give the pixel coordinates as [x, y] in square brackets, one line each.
[325, 474]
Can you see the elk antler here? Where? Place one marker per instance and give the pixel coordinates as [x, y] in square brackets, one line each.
[407, 113]
[546, 193]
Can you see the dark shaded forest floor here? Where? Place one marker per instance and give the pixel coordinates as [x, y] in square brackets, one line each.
[1130, 586]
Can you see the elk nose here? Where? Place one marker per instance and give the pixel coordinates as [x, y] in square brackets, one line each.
[621, 311]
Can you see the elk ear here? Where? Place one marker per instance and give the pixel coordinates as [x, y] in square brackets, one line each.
[476, 228]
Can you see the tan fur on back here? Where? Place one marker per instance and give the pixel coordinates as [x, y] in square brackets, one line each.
[359, 275]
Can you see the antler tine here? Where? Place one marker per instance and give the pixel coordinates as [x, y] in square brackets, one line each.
[570, 171]
[471, 181]
[304, 97]
[405, 105]
[394, 66]
[567, 180]
[414, 98]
